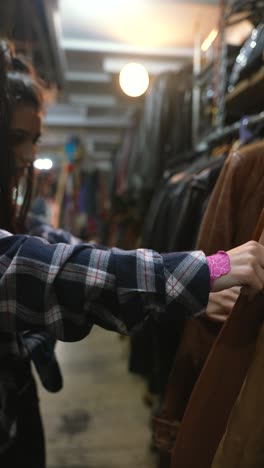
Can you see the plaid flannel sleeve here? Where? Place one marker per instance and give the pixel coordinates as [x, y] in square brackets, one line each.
[64, 289]
[37, 228]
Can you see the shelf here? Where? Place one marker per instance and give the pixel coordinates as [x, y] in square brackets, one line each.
[248, 95]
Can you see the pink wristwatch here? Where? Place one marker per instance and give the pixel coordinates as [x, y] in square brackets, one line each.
[219, 265]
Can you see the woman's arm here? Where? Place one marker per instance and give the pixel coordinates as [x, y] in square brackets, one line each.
[66, 289]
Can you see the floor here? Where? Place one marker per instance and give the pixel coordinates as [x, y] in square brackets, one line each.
[99, 419]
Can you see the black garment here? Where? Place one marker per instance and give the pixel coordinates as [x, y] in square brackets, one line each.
[162, 220]
[250, 58]
[172, 224]
[28, 448]
[163, 135]
[184, 218]
[191, 206]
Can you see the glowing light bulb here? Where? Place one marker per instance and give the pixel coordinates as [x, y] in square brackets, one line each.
[43, 164]
[134, 79]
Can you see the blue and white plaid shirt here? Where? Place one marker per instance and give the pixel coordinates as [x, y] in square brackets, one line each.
[65, 289]
[19, 348]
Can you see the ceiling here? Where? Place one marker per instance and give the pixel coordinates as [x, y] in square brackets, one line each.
[86, 42]
[141, 23]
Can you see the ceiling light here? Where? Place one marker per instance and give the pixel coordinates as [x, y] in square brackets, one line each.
[155, 66]
[134, 79]
[209, 40]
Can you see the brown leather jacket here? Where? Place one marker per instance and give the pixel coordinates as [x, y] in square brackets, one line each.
[242, 444]
[230, 219]
[236, 202]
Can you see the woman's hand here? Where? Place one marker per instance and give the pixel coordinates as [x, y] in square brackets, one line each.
[221, 303]
[246, 269]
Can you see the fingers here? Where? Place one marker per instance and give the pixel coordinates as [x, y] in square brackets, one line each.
[233, 293]
[260, 274]
[252, 277]
[256, 283]
[221, 303]
[218, 318]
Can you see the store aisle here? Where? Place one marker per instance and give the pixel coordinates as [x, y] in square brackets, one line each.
[98, 420]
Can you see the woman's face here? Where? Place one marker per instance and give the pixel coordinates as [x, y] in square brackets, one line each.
[25, 131]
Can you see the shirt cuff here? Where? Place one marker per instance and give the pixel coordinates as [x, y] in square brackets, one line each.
[187, 281]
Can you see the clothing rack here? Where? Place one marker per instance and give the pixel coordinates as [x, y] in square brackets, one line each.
[239, 11]
[230, 14]
[246, 5]
[232, 130]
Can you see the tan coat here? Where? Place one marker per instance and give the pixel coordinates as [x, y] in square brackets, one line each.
[230, 219]
[236, 202]
[242, 445]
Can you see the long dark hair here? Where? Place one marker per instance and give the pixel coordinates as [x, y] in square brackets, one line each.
[19, 86]
[23, 89]
[7, 163]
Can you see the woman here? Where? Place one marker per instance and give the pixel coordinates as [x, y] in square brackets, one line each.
[20, 420]
[64, 290]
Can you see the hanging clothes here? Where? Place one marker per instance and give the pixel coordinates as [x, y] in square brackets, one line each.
[172, 224]
[229, 220]
[242, 444]
[218, 386]
[236, 201]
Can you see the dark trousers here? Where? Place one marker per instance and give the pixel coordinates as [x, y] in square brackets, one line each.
[28, 450]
